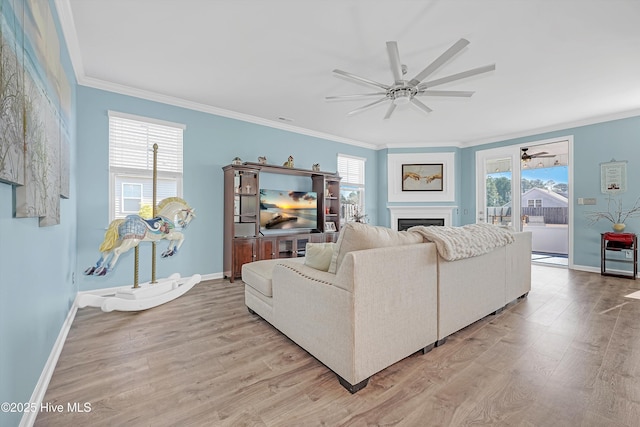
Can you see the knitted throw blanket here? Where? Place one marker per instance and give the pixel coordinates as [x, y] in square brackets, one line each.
[467, 241]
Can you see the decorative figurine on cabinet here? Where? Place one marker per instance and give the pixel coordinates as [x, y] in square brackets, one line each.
[236, 161]
[316, 167]
[262, 160]
[289, 162]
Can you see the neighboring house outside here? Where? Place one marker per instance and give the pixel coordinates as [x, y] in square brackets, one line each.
[543, 198]
[545, 215]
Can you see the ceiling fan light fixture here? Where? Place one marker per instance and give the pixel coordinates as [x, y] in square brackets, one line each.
[402, 99]
[401, 95]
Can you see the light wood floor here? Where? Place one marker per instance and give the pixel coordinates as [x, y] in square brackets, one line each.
[568, 355]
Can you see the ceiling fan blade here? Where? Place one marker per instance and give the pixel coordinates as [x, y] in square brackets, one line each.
[460, 93]
[358, 79]
[392, 107]
[538, 153]
[353, 97]
[394, 59]
[420, 106]
[457, 76]
[439, 61]
[366, 107]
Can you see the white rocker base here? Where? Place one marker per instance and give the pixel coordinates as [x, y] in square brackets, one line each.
[146, 296]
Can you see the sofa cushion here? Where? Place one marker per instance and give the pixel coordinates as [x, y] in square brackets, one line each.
[318, 255]
[355, 236]
[258, 274]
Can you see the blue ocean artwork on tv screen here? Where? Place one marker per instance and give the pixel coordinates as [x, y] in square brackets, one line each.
[288, 210]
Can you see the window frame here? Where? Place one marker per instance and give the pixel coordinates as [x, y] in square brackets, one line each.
[359, 186]
[123, 197]
[126, 173]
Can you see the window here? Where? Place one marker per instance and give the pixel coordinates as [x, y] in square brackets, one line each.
[534, 203]
[351, 169]
[131, 197]
[131, 140]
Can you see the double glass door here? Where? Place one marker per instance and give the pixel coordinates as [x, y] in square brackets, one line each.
[498, 200]
[530, 193]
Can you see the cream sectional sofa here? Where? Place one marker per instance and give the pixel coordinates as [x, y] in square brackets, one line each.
[386, 295]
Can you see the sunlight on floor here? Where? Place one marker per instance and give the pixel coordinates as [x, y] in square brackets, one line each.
[635, 295]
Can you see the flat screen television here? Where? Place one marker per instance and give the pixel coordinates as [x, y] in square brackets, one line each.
[284, 210]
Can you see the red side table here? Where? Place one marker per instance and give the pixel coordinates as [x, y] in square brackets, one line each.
[612, 246]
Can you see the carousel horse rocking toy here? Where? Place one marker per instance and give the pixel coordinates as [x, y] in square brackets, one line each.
[125, 234]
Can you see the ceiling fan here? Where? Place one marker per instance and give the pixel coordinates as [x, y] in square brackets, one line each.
[526, 157]
[403, 91]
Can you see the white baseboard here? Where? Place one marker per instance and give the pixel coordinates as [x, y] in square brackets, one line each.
[29, 418]
[590, 269]
[213, 276]
[586, 268]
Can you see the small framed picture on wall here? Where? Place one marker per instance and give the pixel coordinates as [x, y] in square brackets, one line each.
[613, 177]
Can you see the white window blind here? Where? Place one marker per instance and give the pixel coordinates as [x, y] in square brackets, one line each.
[351, 169]
[131, 140]
[131, 144]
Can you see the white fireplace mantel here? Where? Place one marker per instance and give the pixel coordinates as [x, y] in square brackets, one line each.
[417, 212]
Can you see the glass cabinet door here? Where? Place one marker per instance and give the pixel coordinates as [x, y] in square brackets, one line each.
[292, 247]
[245, 203]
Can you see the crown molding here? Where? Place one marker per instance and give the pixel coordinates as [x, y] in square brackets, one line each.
[565, 126]
[442, 144]
[179, 102]
[68, 26]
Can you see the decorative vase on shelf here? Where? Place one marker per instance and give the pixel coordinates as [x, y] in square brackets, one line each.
[618, 227]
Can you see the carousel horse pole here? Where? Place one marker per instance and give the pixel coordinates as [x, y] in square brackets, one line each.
[154, 211]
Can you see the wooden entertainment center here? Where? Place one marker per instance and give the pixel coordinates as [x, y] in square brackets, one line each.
[243, 240]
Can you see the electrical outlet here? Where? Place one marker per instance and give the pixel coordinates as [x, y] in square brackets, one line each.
[628, 254]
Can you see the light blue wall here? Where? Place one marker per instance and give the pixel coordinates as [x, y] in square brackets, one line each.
[210, 142]
[592, 145]
[36, 284]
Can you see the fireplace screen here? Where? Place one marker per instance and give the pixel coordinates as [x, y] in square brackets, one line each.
[406, 223]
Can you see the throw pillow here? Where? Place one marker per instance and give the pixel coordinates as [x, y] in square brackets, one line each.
[318, 255]
[356, 236]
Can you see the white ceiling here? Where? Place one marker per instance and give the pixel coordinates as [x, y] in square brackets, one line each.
[558, 62]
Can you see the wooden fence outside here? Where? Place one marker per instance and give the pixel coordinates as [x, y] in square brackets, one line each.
[502, 215]
[559, 215]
